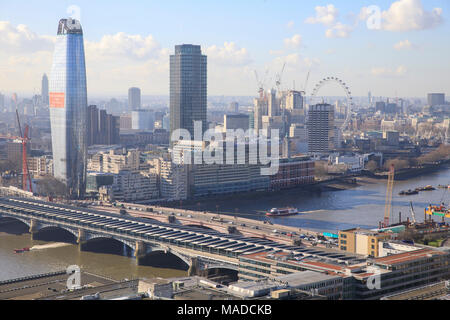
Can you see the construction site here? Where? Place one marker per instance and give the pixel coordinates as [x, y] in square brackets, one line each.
[434, 230]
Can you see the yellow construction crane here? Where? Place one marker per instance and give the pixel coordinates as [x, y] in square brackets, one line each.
[389, 192]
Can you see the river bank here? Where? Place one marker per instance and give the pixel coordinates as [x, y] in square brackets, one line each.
[409, 173]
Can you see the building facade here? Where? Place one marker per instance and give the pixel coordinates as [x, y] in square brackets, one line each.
[321, 128]
[134, 99]
[68, 104]
[188, 88]
[44, 90]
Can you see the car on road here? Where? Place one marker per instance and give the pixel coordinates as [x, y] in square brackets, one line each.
[189, 216]
[180, 215]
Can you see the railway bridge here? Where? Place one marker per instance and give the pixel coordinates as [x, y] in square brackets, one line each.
[200, 249]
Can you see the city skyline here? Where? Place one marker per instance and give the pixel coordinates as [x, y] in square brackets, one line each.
[402, 59]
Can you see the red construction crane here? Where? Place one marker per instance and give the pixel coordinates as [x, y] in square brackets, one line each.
[26, 178]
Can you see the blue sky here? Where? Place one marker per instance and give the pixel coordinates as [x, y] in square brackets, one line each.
[408, 57]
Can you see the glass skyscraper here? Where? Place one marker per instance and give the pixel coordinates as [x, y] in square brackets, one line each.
[188, 88]
[68, 107]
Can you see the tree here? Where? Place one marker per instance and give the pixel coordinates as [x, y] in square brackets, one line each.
[372, 166]
[398, 164]
[51, 187]
[441, 153]
[321, 168]
[8, 165]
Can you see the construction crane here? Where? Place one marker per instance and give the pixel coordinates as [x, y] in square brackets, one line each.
[278, 78]
[306, 82]
[389, 192]
[261, 83]
[24, 139]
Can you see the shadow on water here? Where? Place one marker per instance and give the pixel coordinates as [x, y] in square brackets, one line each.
[107, 246]
[54, 234]
[12, 226]
[164, 260]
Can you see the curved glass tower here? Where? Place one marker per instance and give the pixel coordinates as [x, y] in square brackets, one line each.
[68, 107]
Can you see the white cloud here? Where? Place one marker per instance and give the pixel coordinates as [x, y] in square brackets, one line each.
[407, 15]
[228, 55]
[122, 45]
[294, 42]
[22, 39]
[388, 72]
[114, 63]
[326, 15]
[404, 45]
[290, 24]
[339, 31]
[294, 62]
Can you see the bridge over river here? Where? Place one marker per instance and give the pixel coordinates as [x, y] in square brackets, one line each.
[200, 249]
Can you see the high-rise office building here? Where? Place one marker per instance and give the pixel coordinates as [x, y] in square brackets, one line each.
[188, 88]
[273, 107]
[436, 99]
[102, 128]
[2, 102]
[294, 100]
[92, 125]
[234, 107]
[134, 99]
[321, 128]
[143, 120]
[68, 106]
[44, 89]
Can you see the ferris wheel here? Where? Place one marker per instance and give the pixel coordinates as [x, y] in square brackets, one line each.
[344, 86]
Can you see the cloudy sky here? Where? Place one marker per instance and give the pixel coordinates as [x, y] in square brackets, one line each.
[128, 43]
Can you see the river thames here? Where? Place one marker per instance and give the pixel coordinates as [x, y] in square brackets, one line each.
[362, 206]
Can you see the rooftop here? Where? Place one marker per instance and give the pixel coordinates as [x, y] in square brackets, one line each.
[69, 26]
[304, 278]
[409, 256]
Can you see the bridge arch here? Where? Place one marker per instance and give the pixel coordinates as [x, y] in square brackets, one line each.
[52, 232]
[158, 250]
[107, 244]
[25, 221]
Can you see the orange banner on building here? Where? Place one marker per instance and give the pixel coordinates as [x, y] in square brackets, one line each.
[56, 100]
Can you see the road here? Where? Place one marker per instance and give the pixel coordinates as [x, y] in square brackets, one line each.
[246, 227]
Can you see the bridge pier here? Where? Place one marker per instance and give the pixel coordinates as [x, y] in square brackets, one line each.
[81, 240]
[194, 268]
[33, 229]
[140, 252]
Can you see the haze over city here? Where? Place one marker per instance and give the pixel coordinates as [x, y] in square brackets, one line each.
[128, 44]
[225, 151]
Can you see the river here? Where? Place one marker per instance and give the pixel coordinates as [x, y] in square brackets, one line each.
[362, 206]
[48, 256]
